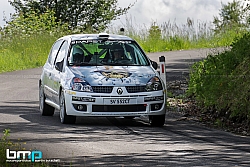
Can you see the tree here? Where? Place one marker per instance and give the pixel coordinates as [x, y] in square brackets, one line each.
[78, 14]
[246, 11]
[32, 25]
[231, 15]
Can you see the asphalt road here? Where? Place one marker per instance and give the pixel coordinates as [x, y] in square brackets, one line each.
[116, 141]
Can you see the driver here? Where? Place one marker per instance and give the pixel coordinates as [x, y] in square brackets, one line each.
[77, 55]
[78, 58]
[118, 55]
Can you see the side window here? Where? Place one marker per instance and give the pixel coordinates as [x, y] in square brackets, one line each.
[76, 55]
[61, 55]
[54, 51]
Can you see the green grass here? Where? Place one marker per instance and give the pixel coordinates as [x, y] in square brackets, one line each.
[221, 82]
[18, 52]
[170, 36]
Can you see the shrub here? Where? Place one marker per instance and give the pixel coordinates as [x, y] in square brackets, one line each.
[221, 82]
[33, 23]
[25, 41]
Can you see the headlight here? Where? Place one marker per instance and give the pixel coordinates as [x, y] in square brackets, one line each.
[154, 84]
[81, 85]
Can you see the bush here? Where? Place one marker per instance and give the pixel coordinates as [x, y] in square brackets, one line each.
[220, 83]
[32, 23]
[26, 41]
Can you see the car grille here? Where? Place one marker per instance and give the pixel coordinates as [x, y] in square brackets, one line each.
[135, 89]
[102, 89]
[119, 108]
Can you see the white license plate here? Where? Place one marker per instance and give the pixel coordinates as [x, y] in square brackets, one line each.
[119, 101]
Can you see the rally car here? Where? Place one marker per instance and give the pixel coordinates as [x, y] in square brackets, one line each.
[101, 75]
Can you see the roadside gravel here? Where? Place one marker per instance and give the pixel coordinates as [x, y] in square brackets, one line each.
[186, 109]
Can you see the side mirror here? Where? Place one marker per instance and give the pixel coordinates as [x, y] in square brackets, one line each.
[58, 66]
[154, 64]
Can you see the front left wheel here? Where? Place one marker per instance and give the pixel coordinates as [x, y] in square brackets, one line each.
[64, 118]
[157, 120]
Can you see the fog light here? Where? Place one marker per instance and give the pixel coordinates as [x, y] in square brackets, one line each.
[79, 107]
[157, 106]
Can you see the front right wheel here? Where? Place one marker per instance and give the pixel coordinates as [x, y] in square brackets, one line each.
[64, 118]
[157, 120]
[45, 109]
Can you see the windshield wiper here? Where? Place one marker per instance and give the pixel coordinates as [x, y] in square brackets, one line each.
[82, 64]
[105, 63]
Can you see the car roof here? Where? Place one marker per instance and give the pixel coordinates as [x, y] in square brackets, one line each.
[74, 37]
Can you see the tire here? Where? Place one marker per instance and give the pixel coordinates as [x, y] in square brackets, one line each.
[45, 109]
[64, 118]
[157, 120]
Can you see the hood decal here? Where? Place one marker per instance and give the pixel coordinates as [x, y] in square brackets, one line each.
[110, 72]
[114, 75]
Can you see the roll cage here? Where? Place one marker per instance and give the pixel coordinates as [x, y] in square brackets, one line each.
[100, 52]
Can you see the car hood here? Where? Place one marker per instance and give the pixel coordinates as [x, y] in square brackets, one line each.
[114, 75]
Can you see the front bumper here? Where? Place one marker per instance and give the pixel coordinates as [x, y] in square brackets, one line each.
[103, 104]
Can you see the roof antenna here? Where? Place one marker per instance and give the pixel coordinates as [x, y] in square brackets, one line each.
[122, 31]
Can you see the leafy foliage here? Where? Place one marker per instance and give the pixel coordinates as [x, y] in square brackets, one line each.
[25, 41]
[154, 31]
[220, 83]
[33, 22]
[234, 14]
[78, 14]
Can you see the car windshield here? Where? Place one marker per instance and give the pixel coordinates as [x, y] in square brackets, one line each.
[99, 52]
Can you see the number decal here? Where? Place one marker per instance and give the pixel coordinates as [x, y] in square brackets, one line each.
[119, 101]
[112, 101]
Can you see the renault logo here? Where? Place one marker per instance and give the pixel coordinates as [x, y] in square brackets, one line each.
[119, 91]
